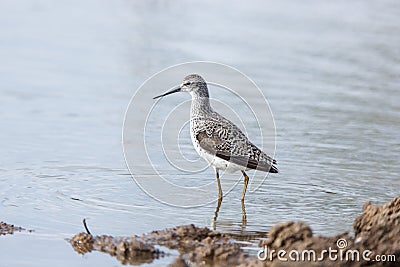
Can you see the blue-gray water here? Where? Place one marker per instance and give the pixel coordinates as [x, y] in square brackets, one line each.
[330, 70]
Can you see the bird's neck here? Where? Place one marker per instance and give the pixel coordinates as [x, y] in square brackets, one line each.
[200, 104]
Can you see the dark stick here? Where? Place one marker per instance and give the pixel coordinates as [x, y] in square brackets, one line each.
[86, 228]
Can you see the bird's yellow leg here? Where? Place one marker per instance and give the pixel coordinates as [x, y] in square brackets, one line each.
[219, 185]
[246, 182]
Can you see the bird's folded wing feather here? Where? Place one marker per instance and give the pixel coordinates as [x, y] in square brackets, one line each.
[211, 142]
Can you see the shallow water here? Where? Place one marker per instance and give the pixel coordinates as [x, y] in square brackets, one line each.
[330, 72]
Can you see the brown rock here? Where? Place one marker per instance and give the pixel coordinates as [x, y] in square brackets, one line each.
[282, 235]
[199, 245]
[378, 230]
[373, 216]
[128, 250]
[9, 229]
[82, 243]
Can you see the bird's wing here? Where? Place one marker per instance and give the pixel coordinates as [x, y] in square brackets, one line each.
[227, 142]
[248, 162]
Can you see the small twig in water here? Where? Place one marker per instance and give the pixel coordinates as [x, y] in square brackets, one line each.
[86, 228]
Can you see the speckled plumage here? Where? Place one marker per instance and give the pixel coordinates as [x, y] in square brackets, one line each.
[220, 137]
[220, 142]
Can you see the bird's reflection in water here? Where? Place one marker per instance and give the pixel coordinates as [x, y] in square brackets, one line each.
[238, 230]
[216, 214]
[244, 216]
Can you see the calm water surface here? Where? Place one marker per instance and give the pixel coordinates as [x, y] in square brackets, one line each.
[330, 72]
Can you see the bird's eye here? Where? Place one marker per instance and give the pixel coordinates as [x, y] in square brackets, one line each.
[187, 83]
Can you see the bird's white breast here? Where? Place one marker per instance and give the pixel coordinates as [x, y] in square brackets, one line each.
[214, 160]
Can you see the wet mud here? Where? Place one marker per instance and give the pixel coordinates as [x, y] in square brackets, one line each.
[9, 229]
[193, 246]
[376, 230]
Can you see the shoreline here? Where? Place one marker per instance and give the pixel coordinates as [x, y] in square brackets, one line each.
[377, 230]
[376, 233]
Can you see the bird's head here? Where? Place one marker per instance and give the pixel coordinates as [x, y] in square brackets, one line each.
[193, 84]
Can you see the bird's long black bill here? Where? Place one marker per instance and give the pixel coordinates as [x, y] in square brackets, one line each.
[178, 89]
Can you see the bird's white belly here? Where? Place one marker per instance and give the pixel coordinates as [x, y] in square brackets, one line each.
[216, 161]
